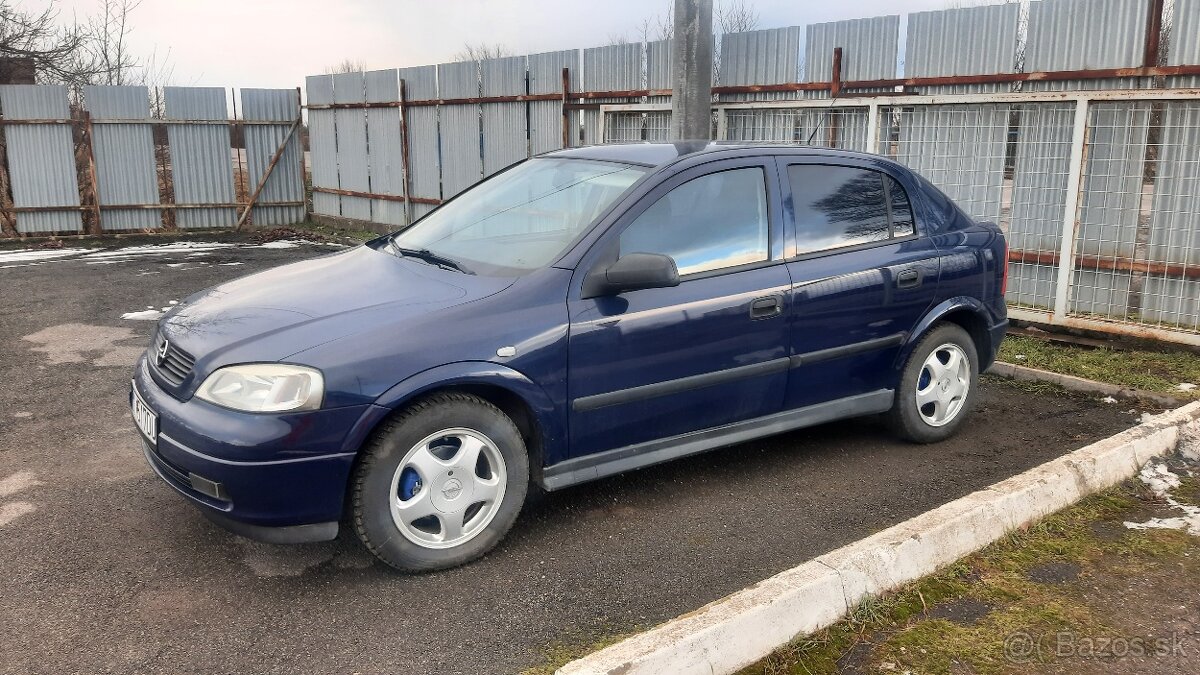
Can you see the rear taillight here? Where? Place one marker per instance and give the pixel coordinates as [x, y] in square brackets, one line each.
[1004, 276]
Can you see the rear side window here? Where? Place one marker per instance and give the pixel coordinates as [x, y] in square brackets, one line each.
[902, 215]
[708, 223]
[838, 206]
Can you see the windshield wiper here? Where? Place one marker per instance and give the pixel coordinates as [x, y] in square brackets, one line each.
[429, 257]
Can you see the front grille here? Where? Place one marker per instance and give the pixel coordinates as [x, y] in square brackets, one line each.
[173, 364]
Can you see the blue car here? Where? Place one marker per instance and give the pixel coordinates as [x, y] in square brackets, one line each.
[580, 314]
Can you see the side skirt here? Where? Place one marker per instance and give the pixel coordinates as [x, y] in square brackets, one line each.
[609, 462]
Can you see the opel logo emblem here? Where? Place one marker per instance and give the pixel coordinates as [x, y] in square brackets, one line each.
[161, 354]
[452, 488]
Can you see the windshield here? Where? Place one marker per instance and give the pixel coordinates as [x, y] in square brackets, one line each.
[521, 219]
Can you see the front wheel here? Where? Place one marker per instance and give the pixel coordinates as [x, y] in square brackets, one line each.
[440, 483]
[938, 386]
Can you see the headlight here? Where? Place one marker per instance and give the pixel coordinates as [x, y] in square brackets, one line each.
[264, 387]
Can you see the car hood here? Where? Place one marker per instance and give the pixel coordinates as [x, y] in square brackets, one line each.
[274, 314]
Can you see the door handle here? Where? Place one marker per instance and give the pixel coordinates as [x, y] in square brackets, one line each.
[909, 278]
[766, 307]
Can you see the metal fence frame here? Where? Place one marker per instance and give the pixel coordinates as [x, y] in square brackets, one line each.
[93, 128]
[1066, 261]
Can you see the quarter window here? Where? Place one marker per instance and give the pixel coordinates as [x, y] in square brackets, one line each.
[902, 215]
[837, 206]
[707, 223]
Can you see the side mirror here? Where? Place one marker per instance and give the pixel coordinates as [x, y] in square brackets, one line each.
[632, 272]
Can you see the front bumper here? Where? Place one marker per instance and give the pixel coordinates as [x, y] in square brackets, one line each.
[277, 478]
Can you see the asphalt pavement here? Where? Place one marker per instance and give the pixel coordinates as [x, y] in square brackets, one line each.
[104, 568]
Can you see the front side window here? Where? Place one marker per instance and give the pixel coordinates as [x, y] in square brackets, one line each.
[708, 223]
[524, 218]
[837, 206]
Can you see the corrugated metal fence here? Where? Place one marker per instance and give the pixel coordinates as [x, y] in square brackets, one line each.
[460, 122]
[118, 160]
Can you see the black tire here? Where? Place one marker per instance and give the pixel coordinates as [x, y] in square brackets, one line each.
[372, 481]
[905, 417]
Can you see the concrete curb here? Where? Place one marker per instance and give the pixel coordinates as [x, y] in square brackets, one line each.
[1018, 372]
[741, 628]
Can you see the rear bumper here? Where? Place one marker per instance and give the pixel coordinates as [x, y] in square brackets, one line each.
[996, 335]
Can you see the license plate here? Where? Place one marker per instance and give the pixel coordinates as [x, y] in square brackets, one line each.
[145, 418]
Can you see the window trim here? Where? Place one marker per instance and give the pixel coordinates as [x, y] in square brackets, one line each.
[786, 163]
[887, 195]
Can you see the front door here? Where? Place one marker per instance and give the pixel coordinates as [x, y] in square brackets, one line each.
[656, 363]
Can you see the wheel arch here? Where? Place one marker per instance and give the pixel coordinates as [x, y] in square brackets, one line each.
[525, 403]
[965, 312]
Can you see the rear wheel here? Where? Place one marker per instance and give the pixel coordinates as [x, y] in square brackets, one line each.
[440, 483]
[938, 386]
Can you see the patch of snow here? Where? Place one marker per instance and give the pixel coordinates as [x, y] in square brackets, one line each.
[1109, 399]
[1161, 481]
[1019, 357]
[233, 263]
[1158, 478]
[1189, 441]
[145, 315]
[160, 249]
[1185, 386]
[282, 243]
[29, 254]
[173, 302]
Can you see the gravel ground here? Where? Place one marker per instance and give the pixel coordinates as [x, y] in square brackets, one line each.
[106, 569]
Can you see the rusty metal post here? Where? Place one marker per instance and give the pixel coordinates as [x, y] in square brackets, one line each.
[404, 156]
[300, 147]
[1153, 29]
[566, 115]
[835, 89]
[239, 174]
[89, 144]
[835, 81]
[267, 174]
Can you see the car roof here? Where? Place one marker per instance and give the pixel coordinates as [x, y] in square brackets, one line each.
[662, 154]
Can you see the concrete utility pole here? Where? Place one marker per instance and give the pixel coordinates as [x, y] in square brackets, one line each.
[691, 71]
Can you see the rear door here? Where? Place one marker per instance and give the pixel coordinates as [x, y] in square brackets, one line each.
[863, 274]
[655, 363]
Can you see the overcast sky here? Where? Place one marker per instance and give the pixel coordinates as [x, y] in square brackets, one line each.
[275, 43]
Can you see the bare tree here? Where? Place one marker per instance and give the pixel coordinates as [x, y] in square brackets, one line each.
[346, 66]
[108, 43]
[95, 51]
[657, 27]
[57, 49]
[481, 52]
[736, 16]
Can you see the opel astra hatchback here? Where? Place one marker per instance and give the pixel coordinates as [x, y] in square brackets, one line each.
[580, 314]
